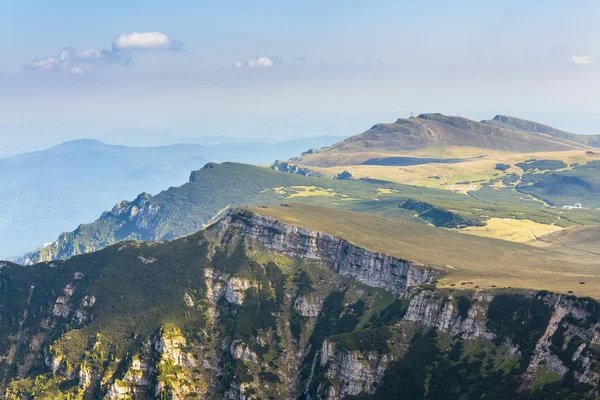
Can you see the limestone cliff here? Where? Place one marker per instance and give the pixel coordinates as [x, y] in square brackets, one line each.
[253, 308]
[366, 266]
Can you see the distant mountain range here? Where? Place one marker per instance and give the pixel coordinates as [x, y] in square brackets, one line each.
[44, 193]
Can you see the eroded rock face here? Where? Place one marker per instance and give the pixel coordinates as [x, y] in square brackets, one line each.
[354, 371]
[366, 266]
[236, 290]
[284, 166]
[188, 300]
[136, 382]
[308, 305]
[239, 350]
[436, 310]
[573, 321]
[170, 346]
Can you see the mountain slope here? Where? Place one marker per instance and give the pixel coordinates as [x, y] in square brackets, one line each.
[431, 131]
[252, 308]
[186, 209]
[581, 184]
[585, 238]
[519, 124]
[48, 192]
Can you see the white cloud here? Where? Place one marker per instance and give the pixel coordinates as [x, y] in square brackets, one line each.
[581, 60]
[71, 61]
[258, 62]
[261, 62]
[48, 63]
[146, 41]
[91, 54]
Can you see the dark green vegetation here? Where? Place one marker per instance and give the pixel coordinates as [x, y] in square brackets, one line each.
[441, 217]
[578, 185]
[531, 165]
[519, 319]
[432, 369]
[211, 313]
[546, 180]
[530, 126]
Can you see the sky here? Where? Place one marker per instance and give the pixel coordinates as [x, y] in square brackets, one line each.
[153, 72]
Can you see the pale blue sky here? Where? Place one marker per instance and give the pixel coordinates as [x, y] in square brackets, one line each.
[320, 67]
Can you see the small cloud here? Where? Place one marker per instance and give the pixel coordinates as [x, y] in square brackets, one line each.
[261, 62]
[581, 60]
[146, 41]
[375, 63]
[300, 60]
[258, 62]
[71, 61]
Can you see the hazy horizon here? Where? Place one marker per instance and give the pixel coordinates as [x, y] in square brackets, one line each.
[285, 70]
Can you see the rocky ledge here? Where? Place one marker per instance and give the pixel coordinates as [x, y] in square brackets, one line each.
[366, 266]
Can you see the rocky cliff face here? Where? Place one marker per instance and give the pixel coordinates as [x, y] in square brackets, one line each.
[284, 166]
[140, 215]
[253, 308]
[566, 347]
[353, 372]
[368, 267]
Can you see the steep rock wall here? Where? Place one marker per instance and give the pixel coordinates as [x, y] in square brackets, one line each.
[369, 267]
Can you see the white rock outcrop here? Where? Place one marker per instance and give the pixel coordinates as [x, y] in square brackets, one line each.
[353, 371]
[236, 290]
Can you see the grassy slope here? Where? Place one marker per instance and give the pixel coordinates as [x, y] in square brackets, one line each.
[578, 237]
[576, 182]
[482, 168]
[483, 261]
[522, 231]
[566, 187]
[531, 126]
